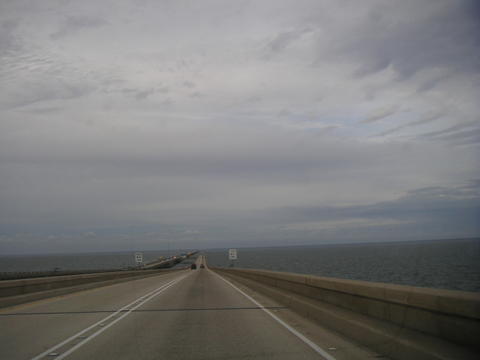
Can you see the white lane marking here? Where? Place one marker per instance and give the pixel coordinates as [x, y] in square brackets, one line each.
[143, 299]
[302, 337]
[71, 350]
[94, 325]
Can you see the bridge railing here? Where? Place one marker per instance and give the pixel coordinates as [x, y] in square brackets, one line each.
[371, 310]
[15, 275]
[19, 291]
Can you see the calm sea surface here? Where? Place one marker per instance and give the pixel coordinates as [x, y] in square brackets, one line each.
[448, 264]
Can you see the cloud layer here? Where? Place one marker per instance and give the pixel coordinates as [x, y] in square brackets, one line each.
[207, 124]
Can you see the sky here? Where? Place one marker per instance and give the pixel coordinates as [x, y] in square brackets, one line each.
[138, 124]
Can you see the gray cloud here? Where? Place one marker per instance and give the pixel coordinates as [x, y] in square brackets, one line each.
[435, 211]
[463, 137]
[431, 83]
[8, 40]
[196, 94]
[380, 114]
[282, 40]
[387, 39]
[74, 24]
[239, 124]
[434, 134]
[43, 92]
[142, 94]
[424, 120]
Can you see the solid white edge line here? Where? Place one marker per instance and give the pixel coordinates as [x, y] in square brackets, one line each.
[302, 337]
[55, 347]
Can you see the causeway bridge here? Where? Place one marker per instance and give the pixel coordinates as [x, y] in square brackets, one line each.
[224, 313]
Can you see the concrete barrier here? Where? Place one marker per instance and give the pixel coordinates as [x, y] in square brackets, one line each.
[371, 310]
[13, 292]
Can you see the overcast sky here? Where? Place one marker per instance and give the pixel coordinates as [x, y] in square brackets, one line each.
[130, 125]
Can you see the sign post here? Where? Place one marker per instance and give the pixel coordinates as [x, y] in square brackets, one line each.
[139, 258]
[232, 256]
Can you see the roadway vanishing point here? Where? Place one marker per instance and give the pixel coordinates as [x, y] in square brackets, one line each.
[233, 314]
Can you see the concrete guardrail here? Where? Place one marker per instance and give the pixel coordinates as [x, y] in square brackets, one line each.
[406, 311]
[13, 292]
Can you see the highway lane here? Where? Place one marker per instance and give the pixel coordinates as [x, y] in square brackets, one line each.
[28, 329]
[186, 315]
[200, 318]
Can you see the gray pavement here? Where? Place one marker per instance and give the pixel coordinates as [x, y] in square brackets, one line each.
[189, 314]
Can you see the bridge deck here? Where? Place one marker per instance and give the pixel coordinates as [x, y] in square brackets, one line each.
[181, 315]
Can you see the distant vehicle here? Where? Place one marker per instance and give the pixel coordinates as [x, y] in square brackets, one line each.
[193, 267]
[202, 266]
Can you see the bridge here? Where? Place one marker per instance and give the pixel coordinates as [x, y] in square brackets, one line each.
[163, 263]
[215, 313]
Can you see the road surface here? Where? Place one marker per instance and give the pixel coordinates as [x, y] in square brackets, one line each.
[189, 314]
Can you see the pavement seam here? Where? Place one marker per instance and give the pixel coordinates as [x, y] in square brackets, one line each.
[139, 311]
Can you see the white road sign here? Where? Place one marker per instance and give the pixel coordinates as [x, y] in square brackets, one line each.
[139, 257]
[232, 254]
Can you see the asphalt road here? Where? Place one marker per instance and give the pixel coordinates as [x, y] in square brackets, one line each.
[189, 314]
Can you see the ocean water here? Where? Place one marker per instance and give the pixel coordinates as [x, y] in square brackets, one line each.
[447, 264]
